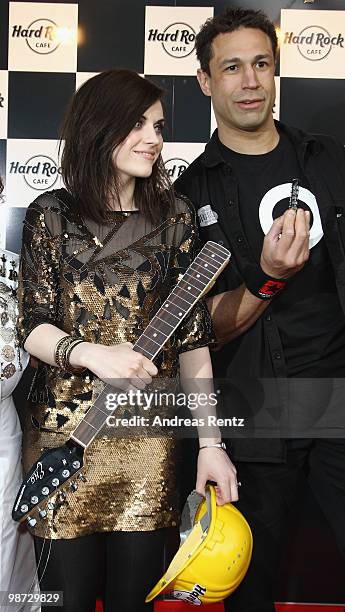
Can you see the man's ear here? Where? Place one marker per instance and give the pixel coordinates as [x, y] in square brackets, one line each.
[204, 82]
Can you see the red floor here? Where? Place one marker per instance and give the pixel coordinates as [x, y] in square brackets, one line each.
[180, 607]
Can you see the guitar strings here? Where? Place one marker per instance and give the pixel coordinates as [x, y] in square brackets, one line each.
[48, 557]
[176, 294]
[35, 575]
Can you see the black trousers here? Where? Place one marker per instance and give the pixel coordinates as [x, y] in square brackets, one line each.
[121, 567]
[266, 496]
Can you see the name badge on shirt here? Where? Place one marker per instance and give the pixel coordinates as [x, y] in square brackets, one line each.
[207, 216]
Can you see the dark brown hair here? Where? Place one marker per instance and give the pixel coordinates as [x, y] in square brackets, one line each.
[228, 21]
[100, 116]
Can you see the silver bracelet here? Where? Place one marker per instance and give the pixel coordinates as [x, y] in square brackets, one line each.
[221, 445]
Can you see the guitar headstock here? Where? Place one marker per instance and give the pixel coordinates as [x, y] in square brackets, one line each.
[55, 470]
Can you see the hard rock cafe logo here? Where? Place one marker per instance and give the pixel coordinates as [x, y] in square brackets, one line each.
[39, 172]
[175, 166]
[178, 39]
[314, 42]
[41, 35]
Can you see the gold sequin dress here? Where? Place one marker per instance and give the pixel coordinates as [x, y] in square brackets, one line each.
[104, 283]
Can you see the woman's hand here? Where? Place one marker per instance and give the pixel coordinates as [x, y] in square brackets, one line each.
[214, 464]
[118, 365]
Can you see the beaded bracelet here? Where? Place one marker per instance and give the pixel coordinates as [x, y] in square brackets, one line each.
[59, 351]
[63, 351]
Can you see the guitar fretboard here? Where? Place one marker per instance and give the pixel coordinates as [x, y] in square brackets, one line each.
[183, 297]
[195, 282]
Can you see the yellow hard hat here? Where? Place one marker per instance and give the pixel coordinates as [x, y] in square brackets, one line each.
[214, 554]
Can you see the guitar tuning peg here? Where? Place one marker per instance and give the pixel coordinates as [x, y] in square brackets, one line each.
[73, 486]
[42, 514]
[31, 522]
[51, 505]
[82, 477]
[62, 496]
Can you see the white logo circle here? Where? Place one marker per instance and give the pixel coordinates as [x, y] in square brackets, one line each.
[316, 43]
[41, 172]
[42, 36]
[280, 192]
[175, 166]
[179, 39]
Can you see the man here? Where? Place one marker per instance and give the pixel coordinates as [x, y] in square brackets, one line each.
[281, 300]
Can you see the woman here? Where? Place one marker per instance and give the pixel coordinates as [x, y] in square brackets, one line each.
[97, 261]
[17, 560]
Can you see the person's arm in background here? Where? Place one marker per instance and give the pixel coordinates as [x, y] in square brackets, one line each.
[285, 251]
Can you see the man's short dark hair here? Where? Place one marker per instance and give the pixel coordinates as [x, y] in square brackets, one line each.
[228, 21]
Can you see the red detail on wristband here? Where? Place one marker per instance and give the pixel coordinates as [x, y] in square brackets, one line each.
[271, 288]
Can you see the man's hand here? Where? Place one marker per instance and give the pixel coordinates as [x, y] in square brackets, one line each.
[286, 246]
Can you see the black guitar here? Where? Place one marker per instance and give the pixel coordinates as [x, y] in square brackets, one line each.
[62, 466]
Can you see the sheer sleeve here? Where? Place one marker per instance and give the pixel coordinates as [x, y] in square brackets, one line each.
[196, 330]
[38, 287]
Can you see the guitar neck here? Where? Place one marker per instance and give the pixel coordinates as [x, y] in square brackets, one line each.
[195, 282]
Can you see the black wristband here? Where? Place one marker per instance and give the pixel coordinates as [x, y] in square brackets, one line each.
[264, 286]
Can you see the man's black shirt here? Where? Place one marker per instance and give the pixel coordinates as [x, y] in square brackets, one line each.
[263, 351]
[308, 315]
